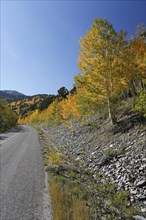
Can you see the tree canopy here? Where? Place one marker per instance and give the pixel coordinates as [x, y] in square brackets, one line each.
[107, 63]
[8, 118]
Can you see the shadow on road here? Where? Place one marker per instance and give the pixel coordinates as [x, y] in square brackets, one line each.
[3, 137]
[18, 128]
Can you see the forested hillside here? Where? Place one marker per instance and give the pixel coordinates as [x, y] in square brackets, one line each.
[8, 118]
[24, 107]
[113, 69]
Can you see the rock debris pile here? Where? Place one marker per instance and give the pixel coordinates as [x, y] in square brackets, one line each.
[119, 154]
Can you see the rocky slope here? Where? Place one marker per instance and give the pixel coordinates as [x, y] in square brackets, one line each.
[119, 153]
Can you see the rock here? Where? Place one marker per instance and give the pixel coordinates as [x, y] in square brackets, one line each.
[141, 197]
[78, 158]
[132, 199]
[138, 217]
[133, 192]
[144, 159]
[143, 209]
[141, 183]
[143, 167]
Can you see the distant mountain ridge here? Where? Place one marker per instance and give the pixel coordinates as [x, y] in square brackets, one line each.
[23, 104]
[13, 92]
[11, 95]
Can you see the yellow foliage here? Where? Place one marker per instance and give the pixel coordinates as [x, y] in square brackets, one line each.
[109, 64]
[34, 117]
[138, 46]
[22, 120]
[55, 158]
[69, 107]
[53, 112]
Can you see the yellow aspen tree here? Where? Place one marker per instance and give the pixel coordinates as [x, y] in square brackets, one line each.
[22, 120]
[53, 112]
[104, 64]
[34, 117]
[43, 116]
[50, 112]
[138, 48]
[58, 116]
[70, 108]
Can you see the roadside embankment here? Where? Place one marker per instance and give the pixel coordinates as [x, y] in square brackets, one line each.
[108, 164]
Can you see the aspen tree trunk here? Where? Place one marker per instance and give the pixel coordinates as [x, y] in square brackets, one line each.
[133, 84]
[111, 112]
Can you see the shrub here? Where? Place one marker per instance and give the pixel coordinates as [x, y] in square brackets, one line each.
[8, 118]
[140, 102]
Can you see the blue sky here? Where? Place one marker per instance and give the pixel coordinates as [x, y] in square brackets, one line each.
[40, 39]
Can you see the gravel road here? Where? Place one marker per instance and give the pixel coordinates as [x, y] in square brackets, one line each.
[23, 184]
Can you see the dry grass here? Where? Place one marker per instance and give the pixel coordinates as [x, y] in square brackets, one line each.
[80, 209]
[66, 206]
[55, 158]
